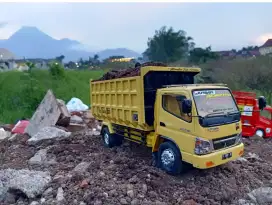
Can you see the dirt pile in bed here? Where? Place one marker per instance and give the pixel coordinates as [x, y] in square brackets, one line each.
[130, 72]
[88, 173]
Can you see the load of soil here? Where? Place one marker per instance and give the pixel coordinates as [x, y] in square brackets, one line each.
[130, 72]
[124, 175]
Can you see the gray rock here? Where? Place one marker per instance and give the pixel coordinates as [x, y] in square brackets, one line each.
[98, 202]
[3, 190]
[48, 191]
[123, 201]
[144, 189]
[4, 134]
[31, 183]
[60, 194]
[241, 159]
[261, 195]
[96, 133]
[47, 114]
[252, 156]
[13, 137]
[42, 200]
[34, 203]
[49, 133]
[130, 193]
[76, 119]
[245, 202]
[81, 167]
[160, 203]
[41, 158]
[10, 198]
[135, 202]
[270, 183]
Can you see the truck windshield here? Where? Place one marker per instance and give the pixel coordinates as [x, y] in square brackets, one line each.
[214, 102]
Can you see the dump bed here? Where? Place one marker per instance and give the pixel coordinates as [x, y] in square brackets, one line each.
[130, 101]
[245, 101]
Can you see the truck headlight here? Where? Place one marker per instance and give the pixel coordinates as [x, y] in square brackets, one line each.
[202, 146]
[239, 138]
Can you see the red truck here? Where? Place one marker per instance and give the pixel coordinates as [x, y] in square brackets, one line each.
[254, 121]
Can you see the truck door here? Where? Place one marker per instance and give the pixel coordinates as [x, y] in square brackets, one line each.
[173, 123]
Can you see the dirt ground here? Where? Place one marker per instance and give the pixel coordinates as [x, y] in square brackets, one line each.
[124, 175]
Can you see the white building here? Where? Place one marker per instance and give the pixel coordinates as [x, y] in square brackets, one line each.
[266, 48]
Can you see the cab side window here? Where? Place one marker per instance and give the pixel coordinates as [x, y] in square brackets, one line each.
[173, 106]
[266, 114]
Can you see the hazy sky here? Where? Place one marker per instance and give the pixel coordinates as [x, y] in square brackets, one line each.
[112, 25]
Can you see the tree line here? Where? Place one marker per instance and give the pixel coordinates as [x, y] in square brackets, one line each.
[247, 74]
[169, 46]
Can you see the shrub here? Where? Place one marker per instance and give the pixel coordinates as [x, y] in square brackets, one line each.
[56, 69]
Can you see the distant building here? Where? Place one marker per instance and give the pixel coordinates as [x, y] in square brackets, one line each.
[22, 67]
[6, 54]
[226, 54]
[21, 64]
[266, 48]
[255, 53]
[122, 59]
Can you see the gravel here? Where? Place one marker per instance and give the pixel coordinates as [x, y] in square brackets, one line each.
[88, 173]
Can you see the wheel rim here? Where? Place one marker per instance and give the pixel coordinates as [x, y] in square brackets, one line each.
[259, 133]
[167, 157]
[106, 138]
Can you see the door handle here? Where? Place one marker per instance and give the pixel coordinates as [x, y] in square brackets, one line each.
[162, 124]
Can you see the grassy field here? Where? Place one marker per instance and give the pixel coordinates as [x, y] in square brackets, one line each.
[21, 92]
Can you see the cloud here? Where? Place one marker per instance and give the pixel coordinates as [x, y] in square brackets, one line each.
[7, 30]
[263, 38]
[3, 24]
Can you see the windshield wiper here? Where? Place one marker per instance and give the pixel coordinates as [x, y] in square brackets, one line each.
[221, 113]
[215, 114]
[232, 112]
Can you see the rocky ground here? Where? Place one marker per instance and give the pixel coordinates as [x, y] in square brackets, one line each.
[78, 170]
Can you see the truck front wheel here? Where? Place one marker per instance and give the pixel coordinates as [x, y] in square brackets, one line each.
[260, 133]
[169, 158]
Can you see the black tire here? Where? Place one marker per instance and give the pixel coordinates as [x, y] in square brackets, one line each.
[154, 161]
[169, 158]
[118, 140]
[111, 140]
[107, 138]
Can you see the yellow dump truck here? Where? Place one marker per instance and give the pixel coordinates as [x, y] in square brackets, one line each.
[163, 109]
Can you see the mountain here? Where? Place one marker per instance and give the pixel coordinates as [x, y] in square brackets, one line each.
[30, 42]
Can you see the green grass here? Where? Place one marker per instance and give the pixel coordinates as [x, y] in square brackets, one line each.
[21, 92]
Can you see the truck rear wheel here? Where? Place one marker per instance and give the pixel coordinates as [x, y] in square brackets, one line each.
[110, 140]
[107, 138]
[169, 158]
[154, 161]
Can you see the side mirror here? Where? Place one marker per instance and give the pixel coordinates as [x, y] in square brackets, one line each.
[186, 106]
[262, 102]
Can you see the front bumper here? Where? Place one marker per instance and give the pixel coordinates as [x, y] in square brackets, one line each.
[214, 159]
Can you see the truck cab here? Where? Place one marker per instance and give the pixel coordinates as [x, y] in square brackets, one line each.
[256, 119]
[202, 120]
